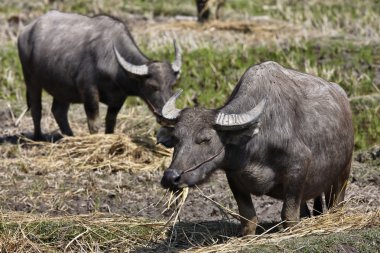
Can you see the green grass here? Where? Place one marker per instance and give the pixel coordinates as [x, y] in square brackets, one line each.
[209, 75]
[11, 78]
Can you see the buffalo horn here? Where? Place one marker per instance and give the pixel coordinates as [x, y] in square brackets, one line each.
[176, 65]
[169, 111]
[226, 121]
[140, 70]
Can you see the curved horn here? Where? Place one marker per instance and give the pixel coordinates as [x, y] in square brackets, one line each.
[239, 121]
[176, 65]
[140, 70]
[169, 111]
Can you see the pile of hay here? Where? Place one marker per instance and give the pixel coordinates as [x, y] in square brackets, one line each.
[91, 152]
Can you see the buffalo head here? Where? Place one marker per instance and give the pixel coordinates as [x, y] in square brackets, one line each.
[155, 79]
[200, 138]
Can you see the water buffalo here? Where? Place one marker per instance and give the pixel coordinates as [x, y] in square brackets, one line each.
[80, 59]
[281, 133]
[204, 9]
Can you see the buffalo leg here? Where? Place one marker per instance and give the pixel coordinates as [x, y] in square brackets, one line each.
[59, 110]
[203, 10]
[294, 184]
[290, 212]
[304, 210]
[247, 211]
[91, 106]
[334, 196]
[112, 112]
[34, 101]
[341, 185]
[318, 206]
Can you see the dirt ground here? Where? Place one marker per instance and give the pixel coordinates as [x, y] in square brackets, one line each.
[29, 185]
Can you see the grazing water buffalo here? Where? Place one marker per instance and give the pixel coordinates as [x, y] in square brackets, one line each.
[281, 133]
[80, 59]
[204, 9]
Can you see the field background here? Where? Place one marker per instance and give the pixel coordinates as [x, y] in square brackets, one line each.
[101, 193]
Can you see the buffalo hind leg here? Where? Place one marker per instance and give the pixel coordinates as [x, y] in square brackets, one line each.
[304, 210]
[112, 112]
[334, 196]
[34, 101]
[318, 206]
[294, 184]
[59, 110]
[91, 107]
[247, 211]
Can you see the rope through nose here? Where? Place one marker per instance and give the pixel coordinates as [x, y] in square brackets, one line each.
[200, 164]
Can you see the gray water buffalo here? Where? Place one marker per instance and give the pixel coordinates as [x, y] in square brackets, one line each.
[80, 59]
[281, 133]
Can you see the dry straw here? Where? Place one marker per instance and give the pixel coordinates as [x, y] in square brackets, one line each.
[90, 233]
[99, 151]
[86, 233]
[333, 222]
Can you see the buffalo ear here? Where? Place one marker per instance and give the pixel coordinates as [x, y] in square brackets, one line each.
[240, 137]
[165, 137]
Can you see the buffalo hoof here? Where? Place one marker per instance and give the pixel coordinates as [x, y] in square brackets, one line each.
[249, 228]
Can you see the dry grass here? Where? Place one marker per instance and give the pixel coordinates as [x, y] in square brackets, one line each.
[136, 151]
[98, 232]
[334, 222]
[85, 233]
[20, 232]
[217, 33]
[116, 152]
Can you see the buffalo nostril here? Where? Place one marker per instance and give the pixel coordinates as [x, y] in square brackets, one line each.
[176, 179]
[171, 178]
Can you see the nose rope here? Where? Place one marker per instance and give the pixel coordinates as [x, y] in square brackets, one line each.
[150, 105]
[200, 164]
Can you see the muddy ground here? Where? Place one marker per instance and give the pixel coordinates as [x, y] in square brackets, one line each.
[31, 188]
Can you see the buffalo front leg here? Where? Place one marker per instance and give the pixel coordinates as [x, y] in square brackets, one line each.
[248, 217]
[290, 212]
[112, 112]
[91, 106]
[59, 110]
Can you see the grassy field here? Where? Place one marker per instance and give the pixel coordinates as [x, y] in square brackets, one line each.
[344, 52]
[336, 40]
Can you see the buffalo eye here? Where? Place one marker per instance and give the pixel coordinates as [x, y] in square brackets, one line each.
[203, 139]
[166, 137]
[153, 85]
